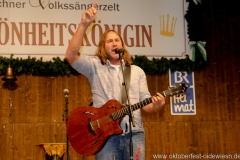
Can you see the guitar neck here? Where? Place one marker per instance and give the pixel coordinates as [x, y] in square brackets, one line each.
[125, 111]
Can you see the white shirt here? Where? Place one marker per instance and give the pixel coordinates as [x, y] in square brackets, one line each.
[106, 83]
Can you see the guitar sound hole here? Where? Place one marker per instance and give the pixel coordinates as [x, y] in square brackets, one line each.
[96, 142]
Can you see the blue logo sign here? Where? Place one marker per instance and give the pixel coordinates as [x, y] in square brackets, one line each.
[183, 104]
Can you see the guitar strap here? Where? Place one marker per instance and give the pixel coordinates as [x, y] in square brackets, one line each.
[126, 75]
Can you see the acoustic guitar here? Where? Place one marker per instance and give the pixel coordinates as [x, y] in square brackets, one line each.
[88, 128]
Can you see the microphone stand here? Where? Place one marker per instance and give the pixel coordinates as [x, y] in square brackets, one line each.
[131, 116]
[66, 119]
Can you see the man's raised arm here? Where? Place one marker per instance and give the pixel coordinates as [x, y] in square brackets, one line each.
[88, 16]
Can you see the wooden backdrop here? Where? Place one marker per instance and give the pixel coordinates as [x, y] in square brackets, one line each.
[38, 103]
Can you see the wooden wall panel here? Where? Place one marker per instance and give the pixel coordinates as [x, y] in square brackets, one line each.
[199, 138]
[6, 138]
[38, 104]
[36, 117]
[36, 114]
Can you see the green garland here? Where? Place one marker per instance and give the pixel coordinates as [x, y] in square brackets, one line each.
[58, 67]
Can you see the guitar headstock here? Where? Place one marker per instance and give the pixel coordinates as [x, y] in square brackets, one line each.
[177, 89]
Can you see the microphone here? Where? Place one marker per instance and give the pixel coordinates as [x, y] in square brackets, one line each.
[66, 91]
[118, 51]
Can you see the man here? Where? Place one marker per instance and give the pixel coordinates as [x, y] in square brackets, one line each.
[105, 76]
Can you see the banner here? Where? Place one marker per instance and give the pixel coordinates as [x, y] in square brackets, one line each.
[44, 28]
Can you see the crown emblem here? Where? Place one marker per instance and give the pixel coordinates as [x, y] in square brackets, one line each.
[166, 29]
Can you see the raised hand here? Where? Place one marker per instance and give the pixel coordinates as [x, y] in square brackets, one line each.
[88, 16]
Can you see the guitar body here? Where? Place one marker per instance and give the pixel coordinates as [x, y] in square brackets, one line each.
[88, 128]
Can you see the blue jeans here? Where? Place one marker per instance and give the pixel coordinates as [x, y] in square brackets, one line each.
[118, 147]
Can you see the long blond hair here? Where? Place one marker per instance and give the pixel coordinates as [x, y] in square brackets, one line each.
[101, 53]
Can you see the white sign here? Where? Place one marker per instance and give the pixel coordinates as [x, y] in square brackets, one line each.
[44, 28]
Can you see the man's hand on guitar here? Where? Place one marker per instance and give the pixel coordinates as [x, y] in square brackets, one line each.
[158, 102]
